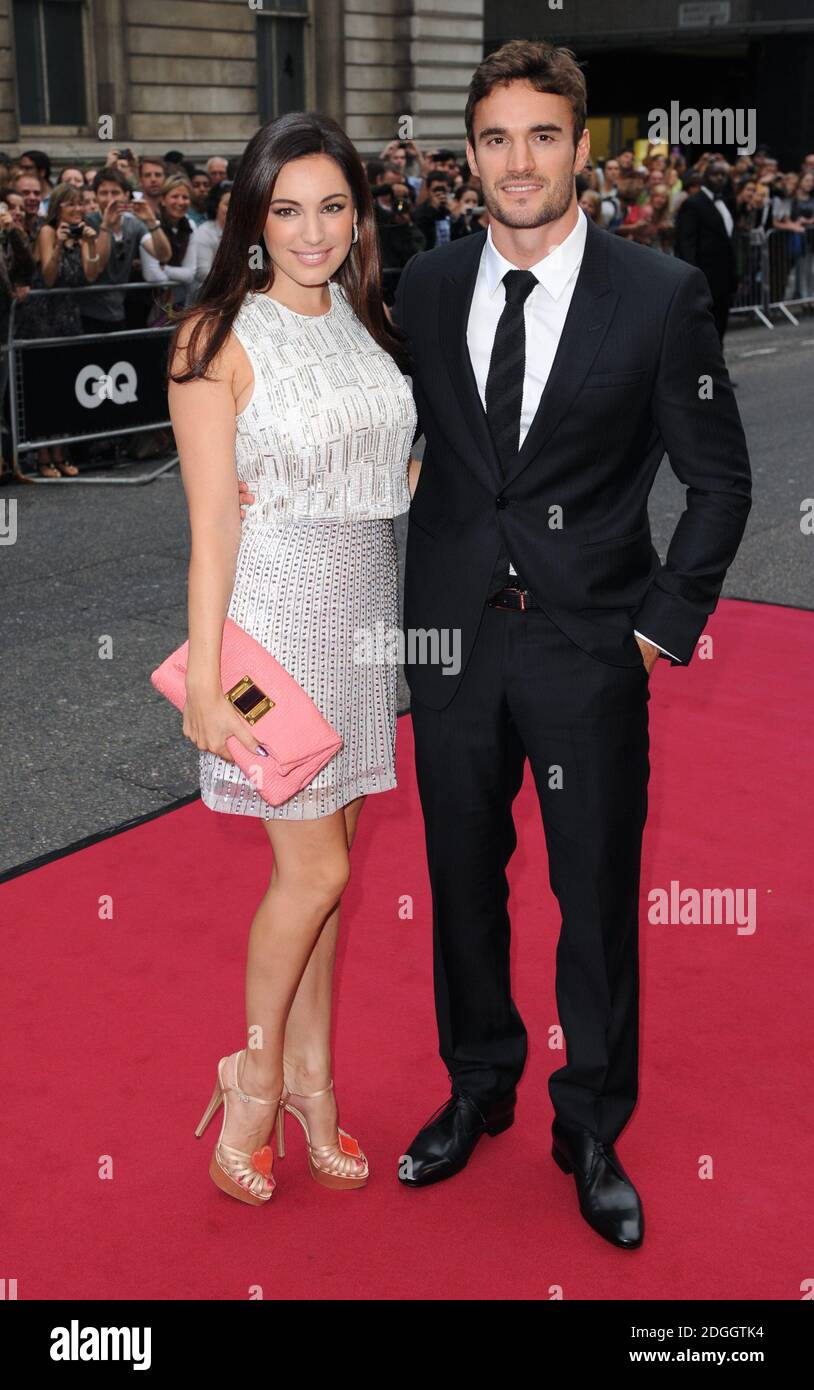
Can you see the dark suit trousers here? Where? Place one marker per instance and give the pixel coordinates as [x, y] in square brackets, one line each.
[720, 312]
[529, 691]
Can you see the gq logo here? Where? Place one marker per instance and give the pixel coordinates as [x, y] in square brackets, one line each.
[118, 385]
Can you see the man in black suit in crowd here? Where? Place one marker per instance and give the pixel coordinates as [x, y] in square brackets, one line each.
[553, 364]
[704, 237]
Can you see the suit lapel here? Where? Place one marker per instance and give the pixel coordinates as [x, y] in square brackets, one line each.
[453, 313]
[589, 315]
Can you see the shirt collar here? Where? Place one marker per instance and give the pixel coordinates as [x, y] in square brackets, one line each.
[554, 270]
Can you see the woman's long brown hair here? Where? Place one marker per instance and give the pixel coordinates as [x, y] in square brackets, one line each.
[233, 273]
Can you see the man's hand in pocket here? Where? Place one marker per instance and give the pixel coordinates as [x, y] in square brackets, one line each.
[650, 654]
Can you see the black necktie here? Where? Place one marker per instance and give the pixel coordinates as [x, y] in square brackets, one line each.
[507, 366]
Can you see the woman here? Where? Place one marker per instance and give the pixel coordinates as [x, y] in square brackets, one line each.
[591, 204]
[16, 273]
[65, 255]
[174, 200]
[463, 204]
[207, 235]
[660, 229]
[803, 214]
[288, 374]
[634, 220]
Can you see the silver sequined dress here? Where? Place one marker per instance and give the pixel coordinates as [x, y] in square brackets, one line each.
[324, 445]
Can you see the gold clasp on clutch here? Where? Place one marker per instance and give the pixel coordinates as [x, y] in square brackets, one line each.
[249, 700]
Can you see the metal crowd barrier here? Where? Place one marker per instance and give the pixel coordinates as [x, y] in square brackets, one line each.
[750, 258]
[790, 269]
[115, 384]
[776, 270]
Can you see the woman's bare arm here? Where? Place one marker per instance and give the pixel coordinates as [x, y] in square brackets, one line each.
[47, 251]
[203, 422]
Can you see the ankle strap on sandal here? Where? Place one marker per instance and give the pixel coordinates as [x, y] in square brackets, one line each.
[244, 1095]
[309, 1095]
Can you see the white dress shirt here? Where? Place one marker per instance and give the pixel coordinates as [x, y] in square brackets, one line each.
[544, 314]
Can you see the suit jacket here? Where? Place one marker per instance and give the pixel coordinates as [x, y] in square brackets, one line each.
[624, 386]
[701, 239]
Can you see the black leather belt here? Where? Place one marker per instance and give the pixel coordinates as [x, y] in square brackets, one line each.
[513, 595]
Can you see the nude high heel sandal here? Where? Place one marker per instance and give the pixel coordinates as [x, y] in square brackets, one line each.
[245, 1176]
[328, 1163]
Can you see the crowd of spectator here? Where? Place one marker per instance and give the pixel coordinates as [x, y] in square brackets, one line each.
[154, 221]
[157, 221]
[662, 203]
[643, 200]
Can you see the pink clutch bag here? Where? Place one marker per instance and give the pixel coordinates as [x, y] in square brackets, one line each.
[282, 715]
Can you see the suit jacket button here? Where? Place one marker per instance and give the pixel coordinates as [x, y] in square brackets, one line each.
[501, 502]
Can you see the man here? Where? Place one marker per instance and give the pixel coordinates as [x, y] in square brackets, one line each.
[433, 217]
[703, 237]
[37, 163]
[553, 364]
[399, 237]
[217, 168]
[201, 187]
[28, 187]
[152, 174]
[121, 224]
[611, 212]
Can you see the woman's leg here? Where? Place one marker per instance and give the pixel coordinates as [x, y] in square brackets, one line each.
[308, 1030]
[311, 868]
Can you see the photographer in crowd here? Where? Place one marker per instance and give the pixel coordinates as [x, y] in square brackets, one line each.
[67, 255]
[464, 203]
[126, 226]
[433, 216]
[399, 237]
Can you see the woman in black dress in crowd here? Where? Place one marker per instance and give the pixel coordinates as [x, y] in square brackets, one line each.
[66, 255]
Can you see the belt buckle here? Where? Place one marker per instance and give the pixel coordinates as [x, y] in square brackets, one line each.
[501, 598]
[519, 589]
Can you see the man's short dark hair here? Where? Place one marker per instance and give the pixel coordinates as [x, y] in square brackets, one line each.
[547, 68]
[40, 160]
[111, 175]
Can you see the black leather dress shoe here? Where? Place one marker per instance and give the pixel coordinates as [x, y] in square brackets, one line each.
[444, 1145]
[607, 1198]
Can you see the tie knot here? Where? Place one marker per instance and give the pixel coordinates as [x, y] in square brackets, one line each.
[519, 285]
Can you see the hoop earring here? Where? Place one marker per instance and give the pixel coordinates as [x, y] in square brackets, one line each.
[355, 235]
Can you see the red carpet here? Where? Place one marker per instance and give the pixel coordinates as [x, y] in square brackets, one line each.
[112, 1030]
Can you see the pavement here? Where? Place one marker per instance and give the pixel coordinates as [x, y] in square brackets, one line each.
[94, 597]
